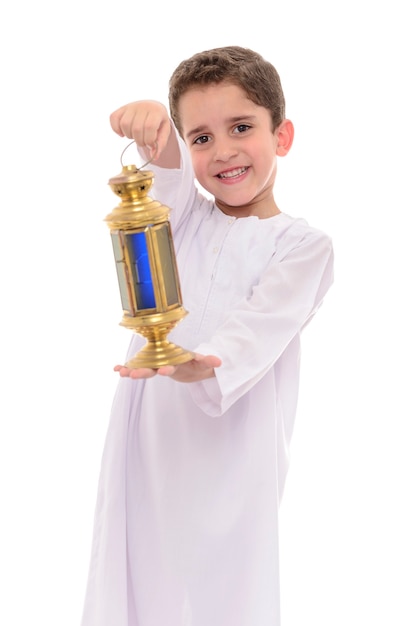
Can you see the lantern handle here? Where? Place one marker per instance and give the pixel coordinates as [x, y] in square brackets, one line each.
[130, 144]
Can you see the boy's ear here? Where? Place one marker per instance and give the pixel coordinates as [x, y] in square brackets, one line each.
[285, 133]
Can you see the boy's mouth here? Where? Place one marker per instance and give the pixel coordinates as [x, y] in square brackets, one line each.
[232, 173]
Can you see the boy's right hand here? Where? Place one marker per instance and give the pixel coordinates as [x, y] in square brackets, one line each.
[146, 122]
[199, 368]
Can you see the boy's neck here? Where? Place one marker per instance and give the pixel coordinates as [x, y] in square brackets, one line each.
[263, 208]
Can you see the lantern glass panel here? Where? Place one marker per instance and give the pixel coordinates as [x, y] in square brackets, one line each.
[121, 273]
[136, 246]
[168, 267]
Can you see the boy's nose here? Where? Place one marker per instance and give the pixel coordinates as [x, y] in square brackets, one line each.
[224, 150]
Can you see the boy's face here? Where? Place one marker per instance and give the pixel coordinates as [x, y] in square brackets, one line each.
[232, 146]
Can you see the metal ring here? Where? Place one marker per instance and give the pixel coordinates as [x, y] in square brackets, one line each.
[130, 144]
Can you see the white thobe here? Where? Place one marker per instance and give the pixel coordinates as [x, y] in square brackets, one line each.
[186, 523]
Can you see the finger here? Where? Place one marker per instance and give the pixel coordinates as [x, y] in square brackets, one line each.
[163, 136]
[142, 372]
[115, 122]
[207, 360]
[156, 132]
[153, 152]
[167, 370]
[128, 121]
[123, 370]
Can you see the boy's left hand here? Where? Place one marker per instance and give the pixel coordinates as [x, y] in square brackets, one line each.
[199, 368]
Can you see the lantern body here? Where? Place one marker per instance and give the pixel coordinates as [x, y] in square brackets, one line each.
[146, 269]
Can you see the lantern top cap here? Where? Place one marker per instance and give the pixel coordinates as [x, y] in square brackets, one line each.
[131, 174]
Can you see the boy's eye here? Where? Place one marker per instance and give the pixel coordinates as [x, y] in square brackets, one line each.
[241, 128]
[201, 139]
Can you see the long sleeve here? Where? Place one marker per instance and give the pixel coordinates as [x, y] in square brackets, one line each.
[258, 329]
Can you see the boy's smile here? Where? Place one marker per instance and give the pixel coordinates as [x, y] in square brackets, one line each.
[233, 148]
[232, 174]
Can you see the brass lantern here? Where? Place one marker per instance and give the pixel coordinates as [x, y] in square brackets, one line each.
[146, 269]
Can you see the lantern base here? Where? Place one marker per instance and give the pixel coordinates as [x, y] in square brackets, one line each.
[155, 354]
[158, 350]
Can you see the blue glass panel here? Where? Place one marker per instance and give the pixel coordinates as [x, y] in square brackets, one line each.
[138, 252]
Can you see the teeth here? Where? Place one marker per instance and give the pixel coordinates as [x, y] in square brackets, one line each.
[232, 173]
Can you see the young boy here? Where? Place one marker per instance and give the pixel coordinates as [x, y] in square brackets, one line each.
[186, 526]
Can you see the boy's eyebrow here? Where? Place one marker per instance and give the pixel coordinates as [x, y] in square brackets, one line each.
[195, 131]
[231, 120]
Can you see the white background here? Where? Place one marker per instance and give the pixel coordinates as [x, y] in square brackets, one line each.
[349, 71]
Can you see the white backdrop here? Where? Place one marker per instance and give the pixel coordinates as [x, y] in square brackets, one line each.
[349, 515]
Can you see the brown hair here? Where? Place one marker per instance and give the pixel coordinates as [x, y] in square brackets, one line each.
[240, 66]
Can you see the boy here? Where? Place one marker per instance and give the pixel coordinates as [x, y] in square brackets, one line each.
[186, 527]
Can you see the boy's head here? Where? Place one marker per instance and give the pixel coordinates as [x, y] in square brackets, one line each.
[240, 66]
